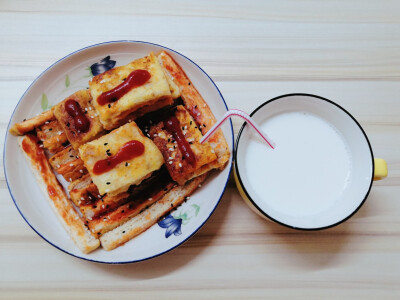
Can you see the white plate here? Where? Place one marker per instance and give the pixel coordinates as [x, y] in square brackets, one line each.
[63, 78]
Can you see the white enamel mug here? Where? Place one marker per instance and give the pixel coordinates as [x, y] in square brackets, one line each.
[321, 171]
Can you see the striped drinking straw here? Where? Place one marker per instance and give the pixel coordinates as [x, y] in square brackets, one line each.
[243, 115]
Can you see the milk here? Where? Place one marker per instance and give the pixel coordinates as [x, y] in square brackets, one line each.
[306, 173]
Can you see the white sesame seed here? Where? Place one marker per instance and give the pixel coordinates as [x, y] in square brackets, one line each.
[70, 180]
[185, 127]
[82, 198]
[129, 120]
[102, 206]
[91, 117]
[71, 165]
[180, 165]
[107, 190]
[154, 135]
[81, 171]
[200, 185]
[170, 162]
[187, 198]
[41, 146]
[150, 198]
[47, 122]
[85, 108]
[90, 108]
[171, 149]
[198, 114]
[59, 133]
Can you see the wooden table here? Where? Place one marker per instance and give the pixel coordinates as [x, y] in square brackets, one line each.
[347, 51]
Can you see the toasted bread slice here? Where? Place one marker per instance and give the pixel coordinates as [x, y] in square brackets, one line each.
[30, 124]
[197, 107]
[52, 135]
[76, 137]
[68, 164]
[56, 196]
[179, 168]
[148, 94]
[130, 172]
[148, 217]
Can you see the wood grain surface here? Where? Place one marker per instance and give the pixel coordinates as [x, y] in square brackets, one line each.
[347, 51]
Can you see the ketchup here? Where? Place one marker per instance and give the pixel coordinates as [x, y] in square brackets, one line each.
[172, 125]
[128, 151]
[135, 79]
[81, 123]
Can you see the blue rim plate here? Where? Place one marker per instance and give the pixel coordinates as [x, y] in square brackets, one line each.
[63, 78]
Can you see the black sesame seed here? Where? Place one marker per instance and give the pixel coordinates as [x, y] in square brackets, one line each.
[126, 164]
[109, 105]
[105, 144]
[122, 211]
[108, 182]
[71, 156]
[190, 143]
[107, 206]
[183, 128]
[191, 122]
[68, 124]
[94, 206]
[204, 125]
[123, 231]
[50, 129]
[189, 83]
[98, 233]
[169, 140]
[108, 153]
[108, 150]
[195, 106]
[23, 120]
[165, 189]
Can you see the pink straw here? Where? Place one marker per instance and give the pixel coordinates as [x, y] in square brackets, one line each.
[243, 115]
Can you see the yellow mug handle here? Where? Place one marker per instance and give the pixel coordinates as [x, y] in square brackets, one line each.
[381, 169]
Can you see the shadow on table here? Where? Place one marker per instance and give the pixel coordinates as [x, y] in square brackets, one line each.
[177, 258]
[314, 250]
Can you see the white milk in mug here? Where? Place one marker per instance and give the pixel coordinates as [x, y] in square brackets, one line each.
[321, 170]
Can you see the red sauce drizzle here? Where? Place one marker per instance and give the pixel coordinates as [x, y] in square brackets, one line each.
[128, 151]
[173, 126]
[135, 79]
[81, 123]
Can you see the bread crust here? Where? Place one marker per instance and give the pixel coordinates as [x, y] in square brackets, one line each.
[56, 195]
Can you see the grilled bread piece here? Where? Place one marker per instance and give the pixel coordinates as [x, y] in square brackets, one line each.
[56, 195]
[52, 135]
[148, 217]
[30, 124]
[126, 173]
[149, 93]
[67, 122]
[197, 108]
[179, 168]
[68, 164]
